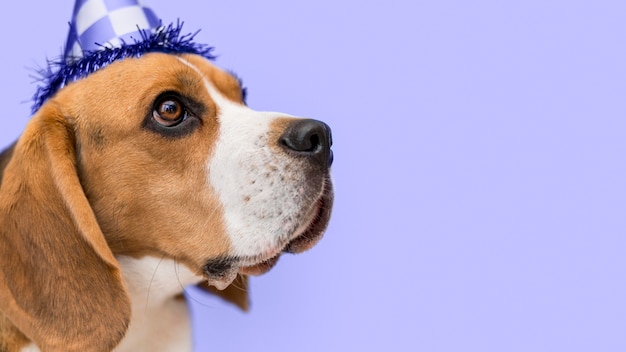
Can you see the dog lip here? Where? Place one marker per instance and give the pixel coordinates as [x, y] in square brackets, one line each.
[260, 268]
[317, 226]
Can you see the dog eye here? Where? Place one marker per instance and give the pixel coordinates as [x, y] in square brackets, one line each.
[169, 112]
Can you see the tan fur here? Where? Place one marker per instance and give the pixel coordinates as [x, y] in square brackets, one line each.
[62, 219]
[225, 83]
[11, 339]
[4, 159]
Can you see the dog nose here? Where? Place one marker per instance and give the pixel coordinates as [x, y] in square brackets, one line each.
[309, 138]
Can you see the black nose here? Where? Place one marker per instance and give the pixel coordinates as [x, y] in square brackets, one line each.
[309, 138]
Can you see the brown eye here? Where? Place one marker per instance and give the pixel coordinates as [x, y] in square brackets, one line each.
[169, 112]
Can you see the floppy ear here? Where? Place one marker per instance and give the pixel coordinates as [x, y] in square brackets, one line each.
[59, 282]
[236, 293]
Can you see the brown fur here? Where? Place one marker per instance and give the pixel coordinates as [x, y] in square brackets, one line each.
[86, 181]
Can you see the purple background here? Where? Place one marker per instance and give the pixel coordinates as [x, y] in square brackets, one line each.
[480, 152]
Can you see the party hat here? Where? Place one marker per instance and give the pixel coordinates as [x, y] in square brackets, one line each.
[97, 24]
[104, 31]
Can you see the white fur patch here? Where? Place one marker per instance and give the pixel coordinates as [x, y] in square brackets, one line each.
[31, 348]
[159, 322]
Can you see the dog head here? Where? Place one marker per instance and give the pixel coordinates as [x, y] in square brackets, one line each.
[152, 156]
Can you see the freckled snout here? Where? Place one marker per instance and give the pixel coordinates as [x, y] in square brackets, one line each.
[309, 139]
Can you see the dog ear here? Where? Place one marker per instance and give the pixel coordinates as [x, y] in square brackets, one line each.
[59, 282]
[236, 293]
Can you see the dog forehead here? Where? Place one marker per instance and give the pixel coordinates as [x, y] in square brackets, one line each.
[225, 83]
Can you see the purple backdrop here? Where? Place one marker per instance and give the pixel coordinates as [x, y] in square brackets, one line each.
[480, 167]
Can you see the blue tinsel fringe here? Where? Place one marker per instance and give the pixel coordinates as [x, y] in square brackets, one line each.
[168, 39]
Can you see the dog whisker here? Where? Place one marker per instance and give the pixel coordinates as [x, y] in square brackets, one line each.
[150, 283]
[186, 292]
[236, 285]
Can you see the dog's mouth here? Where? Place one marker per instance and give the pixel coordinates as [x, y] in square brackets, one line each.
[222, 272]
[312, 232]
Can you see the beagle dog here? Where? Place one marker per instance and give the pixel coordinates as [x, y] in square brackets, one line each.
[144, 177]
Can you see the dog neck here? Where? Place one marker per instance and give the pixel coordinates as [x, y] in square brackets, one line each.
[152, 281]
[160, 318]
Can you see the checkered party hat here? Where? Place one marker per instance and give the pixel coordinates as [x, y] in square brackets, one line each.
[107, 23]
[104, 31]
